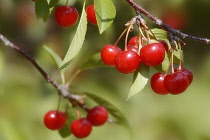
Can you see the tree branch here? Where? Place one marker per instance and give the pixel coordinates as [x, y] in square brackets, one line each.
[164, 26]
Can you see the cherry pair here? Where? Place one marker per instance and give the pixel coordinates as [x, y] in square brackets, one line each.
[174, 83]
[82, 127]
[67, 16]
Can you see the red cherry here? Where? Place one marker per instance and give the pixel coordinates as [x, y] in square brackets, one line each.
[127, 61]
[165, 45]
[152, 54]
[134, 41]
[54, 120]
[176, 83]
[157, 84]
[97, 115]
[91, 15]
[132, 48]
[187, 72]
[66, 16]
[81, 128]
[108, 54]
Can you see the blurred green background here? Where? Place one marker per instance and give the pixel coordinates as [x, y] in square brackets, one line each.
[25, 96]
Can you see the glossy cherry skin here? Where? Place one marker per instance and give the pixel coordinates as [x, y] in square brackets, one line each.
[108, 54]
[187, 72]
[54, 120]
[132, 48]
[127, 61]
[156, 84]
[66, 16]
[91, 15]
[165, 45]
[152, 54]
[134, 41]
[97, 115]
[81, 128]
[176, 83]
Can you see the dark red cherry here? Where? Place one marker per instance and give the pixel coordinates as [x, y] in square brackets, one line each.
[66, 16]
[127, 61]
[108, 54]
[156, 84]
[165, 45]
[97, 115]
[133, 48]
[81, 128]
[152, 54]
[91, 15]
[54, 120]
[176, 83]
[187, 72]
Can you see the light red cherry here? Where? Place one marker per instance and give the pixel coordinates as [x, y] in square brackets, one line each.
[176, 83]
[66, 16]
[152, 54]
[91, 15]
[81, 128]
[133, 48]
[108, 54]
[127, 61]
[97, 115]
[157, 85]
[54, 119]
[165, 45]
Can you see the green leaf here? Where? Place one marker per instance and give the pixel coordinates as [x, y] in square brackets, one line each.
[163, 67]
[105, 13]
[77, 41]
[140, 80]
[53, 3]
[114, 111]
[41, 8]
[93, 61]
[55, 57]
[71, 116]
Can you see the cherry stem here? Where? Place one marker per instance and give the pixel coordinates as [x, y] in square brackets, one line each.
[148, 37]
[115, 44]
[67, 1]
[126, 37]
[172, 61]
[59, 102]
[181, 56]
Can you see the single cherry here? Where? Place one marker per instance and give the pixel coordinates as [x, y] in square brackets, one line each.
[97, 115]
[157, 84]
[152, 54]
[91, 15]
[134, 41]
[176, 82]
[54, 119]
[187, 72]
[66, 16]
[133, 48]
[165, 45]
[81, 128]
[108, 54]
[127, 61]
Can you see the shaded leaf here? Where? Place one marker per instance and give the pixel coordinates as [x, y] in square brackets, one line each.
[55, 57]
[77, 41]
[105, 13]
[93, 61]
[41, 9]
[163, 67]
[140, 80]
[114, 111]
[53, 3]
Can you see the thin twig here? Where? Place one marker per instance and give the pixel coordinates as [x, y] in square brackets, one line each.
[164, 26]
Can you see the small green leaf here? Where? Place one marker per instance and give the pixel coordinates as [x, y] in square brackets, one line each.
[41, 8]
[71, 116]
[140, 80]
[163, 67]
[77, 41]
[93, 61]
[105, 14]
[55, 57]
[116, 113]
[53, 3]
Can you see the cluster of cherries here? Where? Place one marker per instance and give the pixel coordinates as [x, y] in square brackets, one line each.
[81, 128]
[67, 16]
[153, 54]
